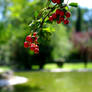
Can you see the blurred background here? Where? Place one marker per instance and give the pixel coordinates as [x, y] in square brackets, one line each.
[68, 48]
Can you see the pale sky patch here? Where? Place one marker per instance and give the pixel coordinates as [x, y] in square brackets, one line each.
[82, 3]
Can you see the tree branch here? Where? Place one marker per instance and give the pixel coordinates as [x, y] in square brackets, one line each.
[49, 14]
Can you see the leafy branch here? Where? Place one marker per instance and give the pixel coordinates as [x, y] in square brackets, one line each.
[61, 14]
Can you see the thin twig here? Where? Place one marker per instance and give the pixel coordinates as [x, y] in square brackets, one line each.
[47, 16]
[67, 1]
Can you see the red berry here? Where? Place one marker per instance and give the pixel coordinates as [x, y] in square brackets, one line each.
[28, 38]
[54, 1]
[35, 33]
[36, 50]
[36, 42]
[61, 13]
[58, 11]
[66, 21]
[62, 18]
[51, 18]
[26, 44]
[36, 38]
[36, 46]
[68, 14]
[33, 37]
[32, 46]
[54, 16]
[58, 1]
[58, 21]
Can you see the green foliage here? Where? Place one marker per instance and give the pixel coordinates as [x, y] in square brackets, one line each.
[12, 35]
[60, 42]
[79, 20]
[73, 4]
[13, 30]
[69, 66]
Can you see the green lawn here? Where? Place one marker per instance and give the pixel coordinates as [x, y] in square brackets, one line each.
[4, 68]
[68, 66]
[54, 66]
[55, 82]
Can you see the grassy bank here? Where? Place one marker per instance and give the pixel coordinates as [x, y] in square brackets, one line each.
[55, 82]
[68, 66]
[54, 66]
[4, 68]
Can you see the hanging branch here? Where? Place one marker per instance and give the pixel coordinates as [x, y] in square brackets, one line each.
[60, 15]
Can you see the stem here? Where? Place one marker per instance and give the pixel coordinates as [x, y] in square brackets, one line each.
[64, 6]
[47, 16]
[49, 13]
[67, 1]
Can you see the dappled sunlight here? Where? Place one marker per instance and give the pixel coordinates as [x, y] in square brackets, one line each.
[58, 46]
[13, 81]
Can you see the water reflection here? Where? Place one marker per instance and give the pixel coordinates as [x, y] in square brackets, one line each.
[20, 88]
[8, 79]
[7, 89]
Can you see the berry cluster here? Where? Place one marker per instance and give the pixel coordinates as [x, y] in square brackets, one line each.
[60, 16]
[31, 42]
[57, 1]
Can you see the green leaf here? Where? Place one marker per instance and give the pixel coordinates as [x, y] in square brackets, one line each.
[73, 4]
[66, 8]
[47, 29]
[62, 1]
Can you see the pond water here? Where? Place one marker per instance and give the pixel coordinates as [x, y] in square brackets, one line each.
[12, 81]
[6, 85]
[53, 82]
